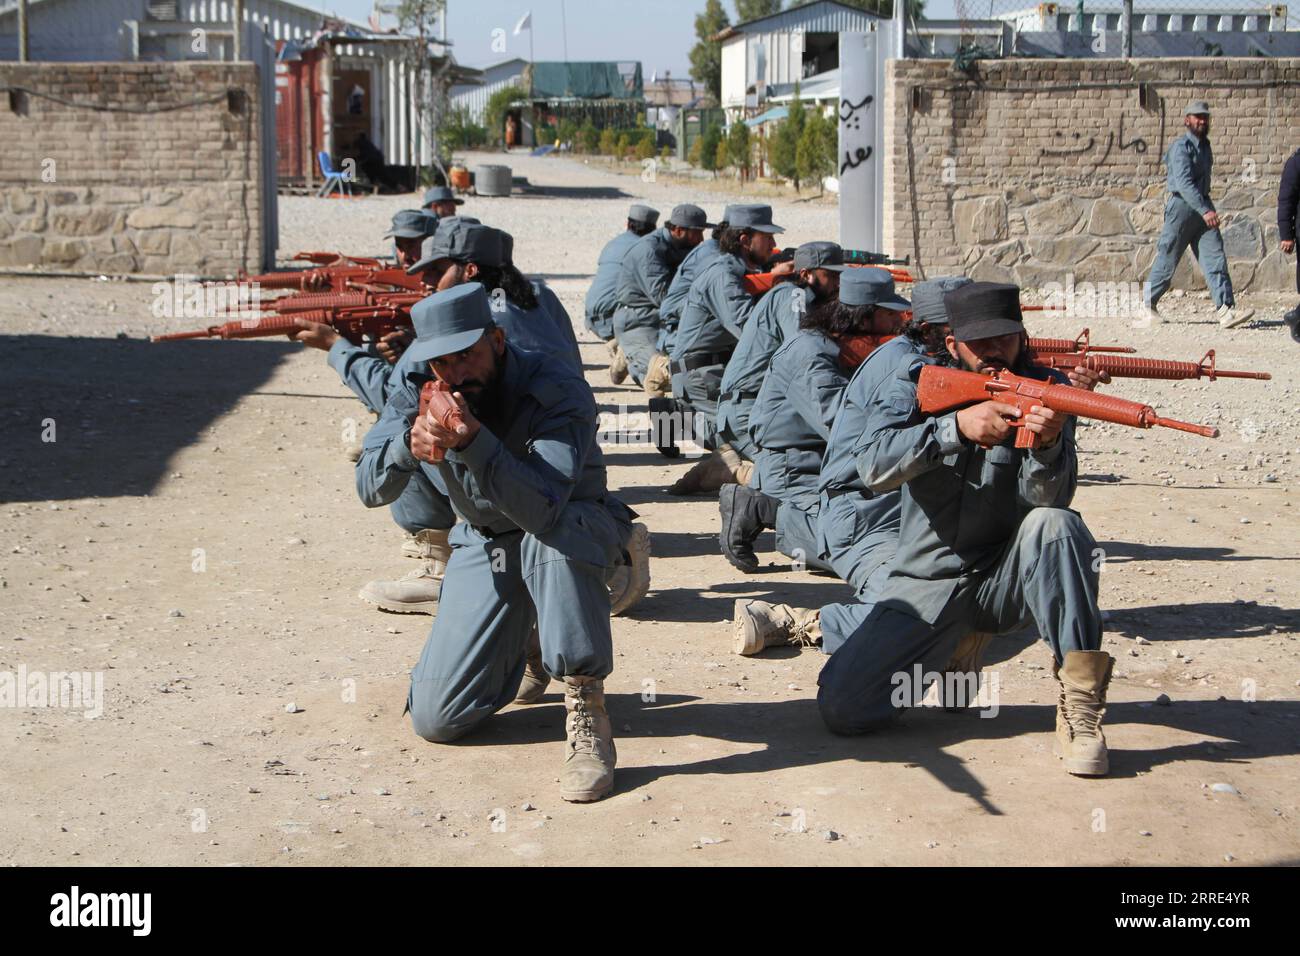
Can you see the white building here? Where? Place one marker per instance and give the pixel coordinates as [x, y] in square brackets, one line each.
[474, 97]
[798, 45]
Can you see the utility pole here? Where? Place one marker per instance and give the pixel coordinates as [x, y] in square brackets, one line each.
[22, 31]
[239, 30]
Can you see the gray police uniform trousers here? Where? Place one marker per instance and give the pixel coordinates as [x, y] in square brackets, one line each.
[1045, 575]
[858, 535]
[796, 535]
[733, 423]
[638, 343]
[422, 505]
[1184, 227]
[494, 592]
[699, 389]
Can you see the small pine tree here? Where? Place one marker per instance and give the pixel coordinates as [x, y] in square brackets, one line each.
[708, 144]
[608, 142]
[815, 156]
[738, 148]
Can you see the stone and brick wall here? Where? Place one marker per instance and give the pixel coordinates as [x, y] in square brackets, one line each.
[1032, 170]
[93, 190]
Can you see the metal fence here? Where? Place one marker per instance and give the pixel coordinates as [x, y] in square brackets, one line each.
[1141, 28]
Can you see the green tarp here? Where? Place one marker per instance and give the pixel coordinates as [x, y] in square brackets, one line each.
[586, 81]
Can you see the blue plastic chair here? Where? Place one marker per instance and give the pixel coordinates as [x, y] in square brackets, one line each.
[333, 177]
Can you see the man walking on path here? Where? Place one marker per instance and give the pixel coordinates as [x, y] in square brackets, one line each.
[1190, 220]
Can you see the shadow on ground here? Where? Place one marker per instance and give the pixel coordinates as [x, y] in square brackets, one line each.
[117, 409]
[571, 192]
[1204, 621]
[790, 734]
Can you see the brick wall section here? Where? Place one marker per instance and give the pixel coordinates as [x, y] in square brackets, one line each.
[166, 192]
[1013, 176]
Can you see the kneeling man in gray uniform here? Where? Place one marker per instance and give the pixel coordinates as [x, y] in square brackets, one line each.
[539, 534]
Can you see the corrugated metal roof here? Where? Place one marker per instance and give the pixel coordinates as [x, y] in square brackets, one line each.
[820, 16]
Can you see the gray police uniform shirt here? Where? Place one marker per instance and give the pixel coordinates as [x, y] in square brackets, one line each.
[670, 309]
[961, 504]
[533, 457]
[775, 320]
[368, 375]
[878, 516]
[791, 421]
[546, 328]
[717, 308]
[602, 297]
[1188, 162]
[644, 278]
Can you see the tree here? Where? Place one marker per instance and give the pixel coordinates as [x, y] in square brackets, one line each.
[608, 142]
[708, 144]
[419, 19]
[588, 137]
[747, 10]
[815, 155]
[784, 149]
[738, 154]
[720, 155]
[459, 131]
[646, 148]
[706, 55]
[498, 104]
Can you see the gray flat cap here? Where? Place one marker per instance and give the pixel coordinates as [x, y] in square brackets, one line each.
[688, 216]
[819, 255]
[644, 214]
[927, 298]
[449, 321]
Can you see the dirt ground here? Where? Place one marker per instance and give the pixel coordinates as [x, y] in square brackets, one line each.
[192, 532]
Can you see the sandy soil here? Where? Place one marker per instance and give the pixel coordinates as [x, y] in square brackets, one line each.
[193, 534]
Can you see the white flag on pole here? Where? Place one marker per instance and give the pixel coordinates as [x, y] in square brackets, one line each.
[525, 23]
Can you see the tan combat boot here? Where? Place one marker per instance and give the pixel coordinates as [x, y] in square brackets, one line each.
[738, 469]
[617, 362]
[1084, 677]
[722, 467]
[589, 753]
[630, 580]
[533, 687]
[967, 659]
[658, 377]
[416, 592]
[758, 625]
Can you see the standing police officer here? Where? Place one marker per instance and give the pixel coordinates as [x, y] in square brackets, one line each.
[1190, 220]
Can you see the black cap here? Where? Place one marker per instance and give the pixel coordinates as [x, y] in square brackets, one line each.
[984, 310]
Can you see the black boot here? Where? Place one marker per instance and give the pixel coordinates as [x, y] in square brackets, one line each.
[1292, 320]
[745, 514]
